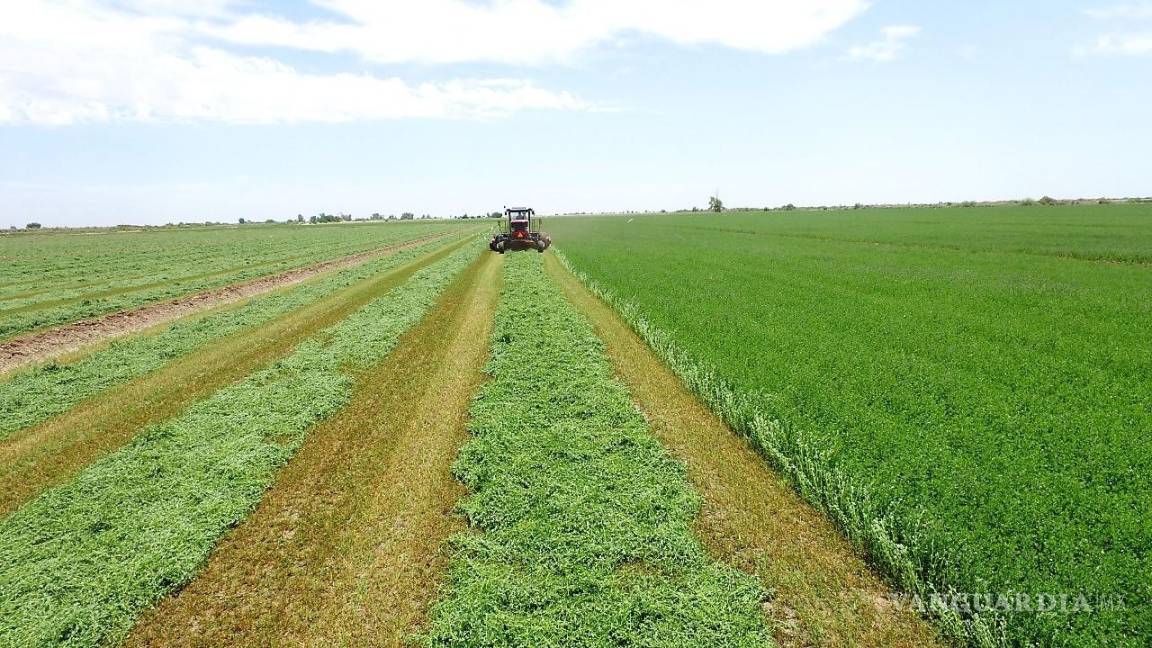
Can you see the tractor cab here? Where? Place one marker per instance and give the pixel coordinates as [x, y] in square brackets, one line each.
[519, 221]
[521, 232]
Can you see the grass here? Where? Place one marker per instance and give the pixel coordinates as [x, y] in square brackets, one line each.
[79, 562]
[965, 392]
[30, 397]
[52, 451]
[823, 593]
[345, 548]
[50, 276]
[583, 523]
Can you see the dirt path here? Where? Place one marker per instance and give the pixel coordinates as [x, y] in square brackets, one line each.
[50, 453]
[346, 549]
[751, 519]
[54, 342]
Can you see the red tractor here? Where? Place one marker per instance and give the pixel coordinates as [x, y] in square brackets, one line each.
[521, 232]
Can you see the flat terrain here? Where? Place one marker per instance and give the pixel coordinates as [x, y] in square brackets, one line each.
[346, 546]
[39, 456]
[750, 429]
[52, 278]
[986, 371]
[823, 593]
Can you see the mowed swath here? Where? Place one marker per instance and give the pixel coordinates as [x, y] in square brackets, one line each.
[985, 371]
[345, 548]
[583, 522]
[80, 561]
[56, 447]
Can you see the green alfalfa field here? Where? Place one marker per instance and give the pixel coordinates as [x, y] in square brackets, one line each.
[967, 392]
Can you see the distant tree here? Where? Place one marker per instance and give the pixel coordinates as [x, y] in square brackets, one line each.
[407, 216]
[270, 220]
[299, 218]
[495, 215]
[858, 206]
[242, 221]
[789, 207]
[715, 204]
[32, 226]
[1027, 202]
[376, 217]
[391, 216]
[1047, 201]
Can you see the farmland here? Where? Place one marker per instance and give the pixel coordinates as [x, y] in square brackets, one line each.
[50, 279]
[740, 429]
[976, 379]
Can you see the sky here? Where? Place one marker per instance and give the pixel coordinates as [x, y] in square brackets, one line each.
[157, 111]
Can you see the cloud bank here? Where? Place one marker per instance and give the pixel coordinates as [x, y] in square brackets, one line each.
[80, 61]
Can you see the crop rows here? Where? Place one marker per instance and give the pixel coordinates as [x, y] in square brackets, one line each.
[30, 397]
[949, 400]
[50, 277]
[585, 523]
[80, 561]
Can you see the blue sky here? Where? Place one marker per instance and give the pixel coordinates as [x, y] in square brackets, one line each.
[154, 111]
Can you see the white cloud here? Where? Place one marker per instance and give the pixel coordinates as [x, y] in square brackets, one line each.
[71, 61]
[894, 41]
[1134, 44]
[532, 32]
[82, 61]
[1139, 11]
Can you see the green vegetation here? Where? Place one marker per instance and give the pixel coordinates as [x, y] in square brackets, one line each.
[965, 392]
[53, 278]
[80, 561]
[29, 397]
[586, 524]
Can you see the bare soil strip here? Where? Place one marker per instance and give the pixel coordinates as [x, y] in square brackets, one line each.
[54, 342]
[825, 595]
[346, 548]
[50, 453]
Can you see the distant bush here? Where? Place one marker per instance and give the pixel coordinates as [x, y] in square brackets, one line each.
[32, 226]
